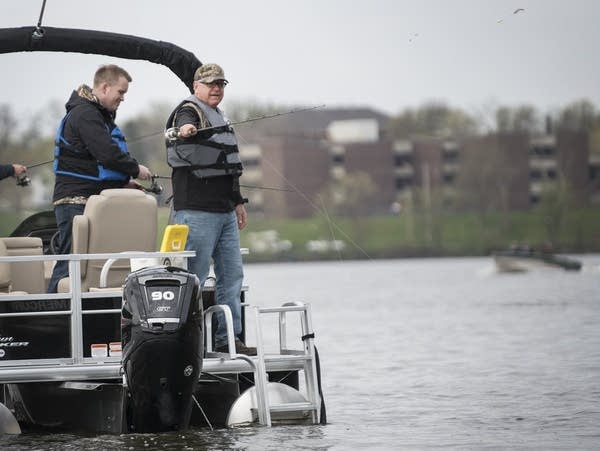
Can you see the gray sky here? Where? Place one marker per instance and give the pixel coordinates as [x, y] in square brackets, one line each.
[384, 54]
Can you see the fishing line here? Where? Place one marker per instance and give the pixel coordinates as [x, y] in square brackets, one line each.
[311, 203]
[330, 228]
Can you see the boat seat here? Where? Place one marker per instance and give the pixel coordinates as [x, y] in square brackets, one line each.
[116, 220]
[5, 281]
[23, 277]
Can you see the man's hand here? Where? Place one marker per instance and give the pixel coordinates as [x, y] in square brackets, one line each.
[144, 173]
[133, 185]
[187, 130]
[242, 216]
[19, 169]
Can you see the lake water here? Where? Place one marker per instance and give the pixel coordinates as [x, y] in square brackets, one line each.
[424, 354]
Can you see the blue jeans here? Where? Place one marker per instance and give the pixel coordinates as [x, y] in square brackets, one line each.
[216, 236]
[64, 220]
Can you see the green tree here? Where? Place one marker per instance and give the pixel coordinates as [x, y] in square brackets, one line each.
[241, 110]
[579, 115]
[432, 119]
[524, 118]
[145, 136]
[8, 124]
[349, 196]
[556, 201]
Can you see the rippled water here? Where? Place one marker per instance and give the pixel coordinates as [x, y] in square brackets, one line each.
[425, 353]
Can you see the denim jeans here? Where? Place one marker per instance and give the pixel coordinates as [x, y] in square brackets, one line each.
[64, 220]
[216, 236]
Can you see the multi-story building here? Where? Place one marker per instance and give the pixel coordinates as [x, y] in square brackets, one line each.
[289, 164]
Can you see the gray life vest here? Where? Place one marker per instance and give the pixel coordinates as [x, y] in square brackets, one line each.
[210, 153]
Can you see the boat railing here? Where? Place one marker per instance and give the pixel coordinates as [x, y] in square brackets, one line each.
[76, 363]
[286, 359]
[72, 363]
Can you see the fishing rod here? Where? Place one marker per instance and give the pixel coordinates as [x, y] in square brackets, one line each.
[24, 180]
[241, 186]
[35, 165]
[172, 133]
[154, 188]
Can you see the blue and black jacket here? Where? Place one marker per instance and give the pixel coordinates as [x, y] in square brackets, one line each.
[91, 152]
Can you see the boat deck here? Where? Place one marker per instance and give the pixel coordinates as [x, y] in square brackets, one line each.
[50, 338]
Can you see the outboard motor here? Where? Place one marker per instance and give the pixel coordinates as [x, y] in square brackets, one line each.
[161, 329]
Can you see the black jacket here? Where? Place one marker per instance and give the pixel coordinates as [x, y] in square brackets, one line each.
[214, 194]
[85, 129]
[6, 170]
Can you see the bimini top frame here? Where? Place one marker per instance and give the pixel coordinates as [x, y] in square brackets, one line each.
[48, 39]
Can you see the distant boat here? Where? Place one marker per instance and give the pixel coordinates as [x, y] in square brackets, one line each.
[519, 260]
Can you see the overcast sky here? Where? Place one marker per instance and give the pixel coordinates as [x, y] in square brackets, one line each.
[384, 54]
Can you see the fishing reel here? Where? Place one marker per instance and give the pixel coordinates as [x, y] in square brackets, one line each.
[154, 187]
[172, 134]
[23, 180]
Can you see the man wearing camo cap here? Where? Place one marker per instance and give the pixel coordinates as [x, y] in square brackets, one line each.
[206, 194]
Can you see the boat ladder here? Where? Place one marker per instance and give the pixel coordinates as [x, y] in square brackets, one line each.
[268, 401]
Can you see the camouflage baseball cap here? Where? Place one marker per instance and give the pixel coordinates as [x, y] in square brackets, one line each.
[207, 73]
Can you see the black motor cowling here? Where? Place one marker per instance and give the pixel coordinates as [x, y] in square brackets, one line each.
[161, 328]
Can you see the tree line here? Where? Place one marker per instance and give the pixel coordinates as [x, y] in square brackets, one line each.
[29, 142]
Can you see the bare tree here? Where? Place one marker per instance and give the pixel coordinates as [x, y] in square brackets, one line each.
[434, 119]
[8, 123]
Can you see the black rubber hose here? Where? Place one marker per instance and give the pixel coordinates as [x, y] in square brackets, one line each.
[323, 409]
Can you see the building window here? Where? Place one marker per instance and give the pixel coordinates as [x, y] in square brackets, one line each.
[535, 199]
[401, 160]
[450, 157]
[535, 174]
[542, 151]
[251, 162]
[402, 184]
[338, 159]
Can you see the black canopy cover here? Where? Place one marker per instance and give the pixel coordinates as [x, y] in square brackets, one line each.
[48, 39]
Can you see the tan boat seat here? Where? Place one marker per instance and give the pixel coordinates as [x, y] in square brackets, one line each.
[116, 220]
[25, 277]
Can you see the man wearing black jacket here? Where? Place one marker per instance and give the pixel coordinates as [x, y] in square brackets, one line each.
[206, 195]
[11, 170]
[90, 154]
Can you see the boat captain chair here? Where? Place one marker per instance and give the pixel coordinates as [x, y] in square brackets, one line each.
[116, 220]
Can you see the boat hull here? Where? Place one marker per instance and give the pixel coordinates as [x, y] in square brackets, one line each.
[520, 261]
[68, 406]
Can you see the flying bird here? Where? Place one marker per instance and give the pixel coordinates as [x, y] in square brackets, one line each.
[516, 11]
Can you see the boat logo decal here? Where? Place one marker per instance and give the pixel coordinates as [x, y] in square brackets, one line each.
[9, 342]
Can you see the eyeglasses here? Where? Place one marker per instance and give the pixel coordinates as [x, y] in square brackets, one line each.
[220, 83]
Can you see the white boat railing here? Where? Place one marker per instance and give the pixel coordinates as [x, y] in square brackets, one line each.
[76, 367]
[76, 364]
